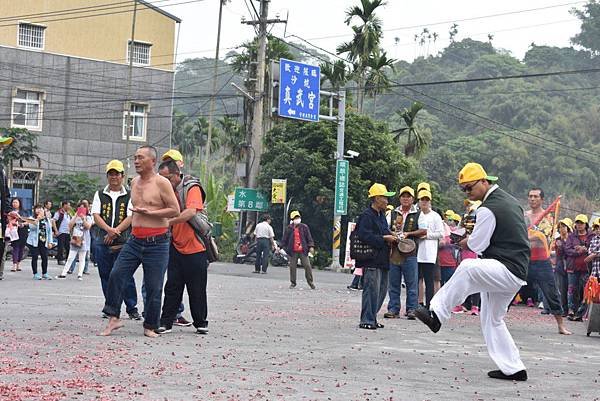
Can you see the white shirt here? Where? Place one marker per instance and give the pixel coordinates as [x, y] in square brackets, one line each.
[485, 224]
[264, 230]
[114, 195]
[428, 246]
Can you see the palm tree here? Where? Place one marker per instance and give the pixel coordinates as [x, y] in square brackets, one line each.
[377, 80]
[336, 74]
[366, 40]
[416, 142]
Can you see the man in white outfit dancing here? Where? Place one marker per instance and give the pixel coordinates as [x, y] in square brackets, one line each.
[500, 238]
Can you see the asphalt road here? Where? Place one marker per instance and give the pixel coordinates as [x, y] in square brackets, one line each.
[267, 342]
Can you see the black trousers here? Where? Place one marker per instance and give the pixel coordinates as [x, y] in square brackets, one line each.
[427, 270]
[64, 244]
[42, 252]
[185, 271]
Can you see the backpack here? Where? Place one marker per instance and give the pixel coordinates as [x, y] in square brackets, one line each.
[359, 250]
[199, 223]
[61, 216]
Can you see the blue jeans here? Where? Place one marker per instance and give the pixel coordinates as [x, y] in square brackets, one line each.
[106, 260]
[374, 291]
[409, 269]
[446, 272]
[153, 254]
[540, 272]
[263, 252]
[577, 282]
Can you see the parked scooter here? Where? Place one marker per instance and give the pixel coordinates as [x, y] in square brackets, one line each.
[245, 250]
[280, 257]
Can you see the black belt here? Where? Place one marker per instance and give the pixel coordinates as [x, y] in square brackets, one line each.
[154, 238]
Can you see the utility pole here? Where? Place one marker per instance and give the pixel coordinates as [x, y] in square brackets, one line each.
[129, 127]
[259, 95]
[337, 219]
[258, 111]
[213, 93]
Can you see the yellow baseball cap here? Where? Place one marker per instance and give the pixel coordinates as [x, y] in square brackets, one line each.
[582, 218]
[424, 194]
[379, 190]
[596, 221]
[423, 185]
[172, 154]
[407, 189]
[567, 222]
[294, 214]
[6, 140]
[455, 217]
[116, 165]
[449, 213]
[473, 172]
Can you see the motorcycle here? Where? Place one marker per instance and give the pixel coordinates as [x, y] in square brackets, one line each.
[245, 250]
[280, 257]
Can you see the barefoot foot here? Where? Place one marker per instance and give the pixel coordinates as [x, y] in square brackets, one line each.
[150, 333]
[113, 324]
[563, 330]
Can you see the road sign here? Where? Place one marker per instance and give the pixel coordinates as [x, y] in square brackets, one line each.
[278, 190]
[250, 199]
[341, 187]
[299, 88]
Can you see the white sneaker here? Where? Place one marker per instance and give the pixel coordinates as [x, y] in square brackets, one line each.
[541, 305]
[79, 278]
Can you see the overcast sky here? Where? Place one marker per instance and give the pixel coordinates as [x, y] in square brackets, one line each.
[319, 20]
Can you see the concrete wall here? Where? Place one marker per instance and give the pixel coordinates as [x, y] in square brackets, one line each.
[97, 36]
[83, 109]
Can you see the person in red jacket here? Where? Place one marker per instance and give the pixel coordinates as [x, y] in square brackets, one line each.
[298, 243]
[576, 249]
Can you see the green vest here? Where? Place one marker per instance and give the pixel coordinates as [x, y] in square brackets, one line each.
[509, 243]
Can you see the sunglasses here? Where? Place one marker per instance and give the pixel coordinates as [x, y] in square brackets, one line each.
[468, 188]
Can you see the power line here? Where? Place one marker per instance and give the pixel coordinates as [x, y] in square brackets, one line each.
[561, 144]
[457, 20]
[130, 10]
[97, 7]
[409, 87]
[537, 146]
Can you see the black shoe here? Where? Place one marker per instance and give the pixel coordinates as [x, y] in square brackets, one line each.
[380, 326]
[352, 288]
[181, 321]
[575, 318]
[520, 376]
[256, 271]
[135, 316]
[201, 330]
[367, 326]
[410, 315]
[391, 315]
[162, 330]
[292, 285]
[312, 287]
[429, 318]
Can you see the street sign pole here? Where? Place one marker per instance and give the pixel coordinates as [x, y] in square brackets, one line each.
[337, 218]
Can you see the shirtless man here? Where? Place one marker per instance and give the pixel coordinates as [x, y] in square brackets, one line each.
[540, 268]
[154, 202]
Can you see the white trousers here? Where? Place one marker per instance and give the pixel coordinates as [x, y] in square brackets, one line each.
[497, 286]
[80, 264]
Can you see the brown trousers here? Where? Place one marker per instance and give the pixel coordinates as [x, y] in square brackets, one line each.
[305, 263]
